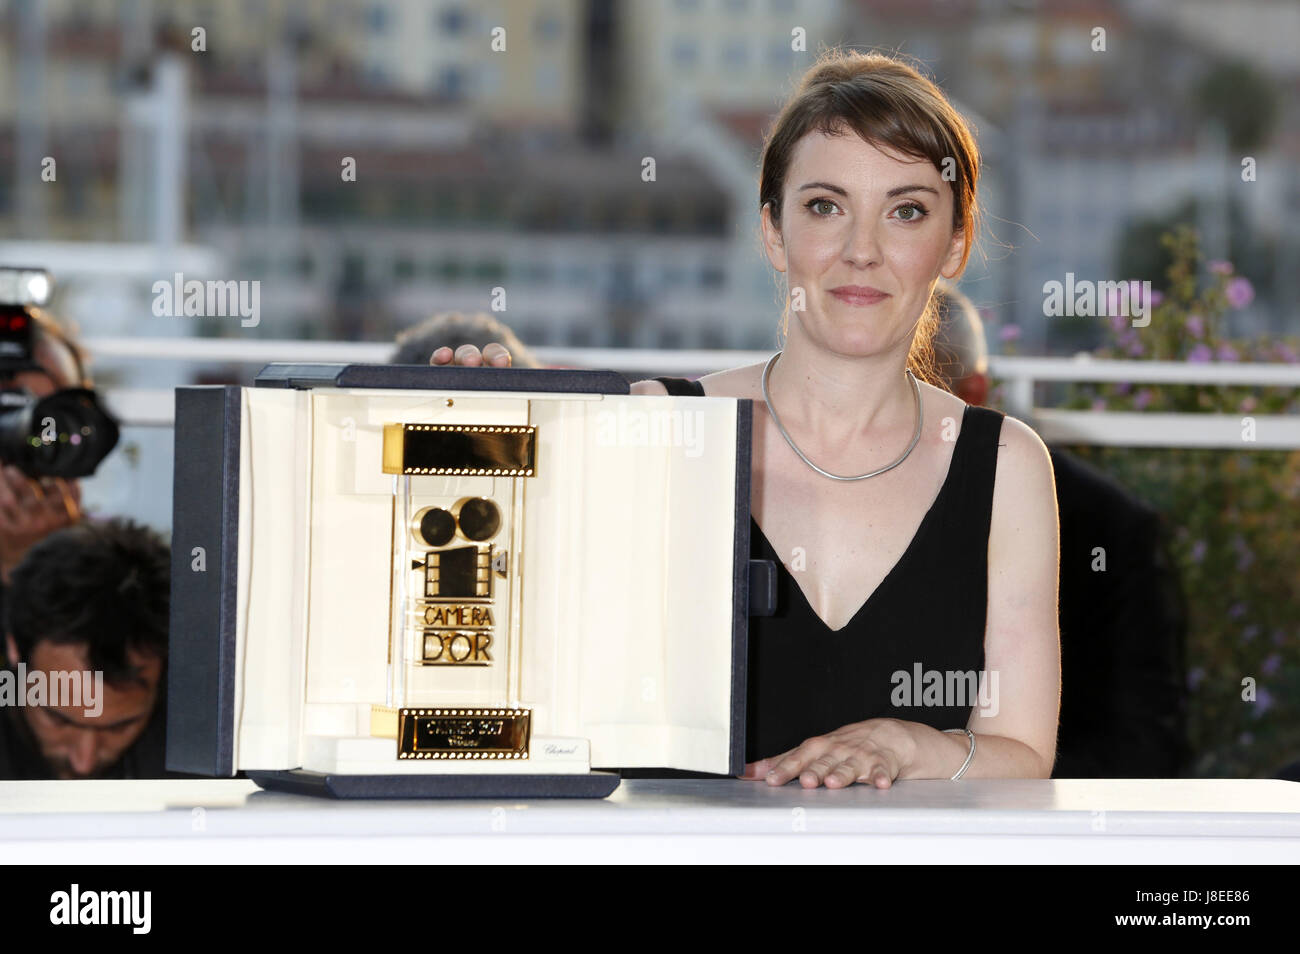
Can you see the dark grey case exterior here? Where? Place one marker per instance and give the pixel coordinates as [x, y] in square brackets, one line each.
[321, 785]
[200, 715]
[205, 516]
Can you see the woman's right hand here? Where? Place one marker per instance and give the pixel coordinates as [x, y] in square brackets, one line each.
[494, 355]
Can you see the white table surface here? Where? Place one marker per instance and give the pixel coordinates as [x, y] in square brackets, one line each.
[974, 820]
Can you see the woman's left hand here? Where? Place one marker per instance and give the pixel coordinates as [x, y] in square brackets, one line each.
[876, 752]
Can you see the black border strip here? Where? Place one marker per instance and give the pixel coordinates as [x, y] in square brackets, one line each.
[442, 377]
[740, 585]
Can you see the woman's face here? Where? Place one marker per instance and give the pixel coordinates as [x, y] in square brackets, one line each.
[865, 234]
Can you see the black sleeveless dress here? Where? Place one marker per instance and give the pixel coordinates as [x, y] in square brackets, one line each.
[903, 653]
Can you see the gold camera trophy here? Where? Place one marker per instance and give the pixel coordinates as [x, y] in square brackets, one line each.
[455, 626]
[456, 582]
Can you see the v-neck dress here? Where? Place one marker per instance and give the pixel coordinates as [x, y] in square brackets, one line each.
[909, 646]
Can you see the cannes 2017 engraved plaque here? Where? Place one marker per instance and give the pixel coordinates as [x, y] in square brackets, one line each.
[454, 611]
[463, 733]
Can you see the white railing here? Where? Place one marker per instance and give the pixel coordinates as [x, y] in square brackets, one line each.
[153, 407]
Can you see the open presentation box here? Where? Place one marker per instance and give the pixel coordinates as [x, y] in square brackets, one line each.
[400, 581]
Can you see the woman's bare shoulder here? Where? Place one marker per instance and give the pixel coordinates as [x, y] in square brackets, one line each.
[941, 407]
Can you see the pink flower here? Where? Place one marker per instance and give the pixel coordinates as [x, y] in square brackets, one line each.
[1199, 355]
[1135, 347]
[1195, 325]
[1287, 353]
[1009, 333]
[1240, 292]
[1123, 387]
[1157, 296]
[1226, 352]
[1099, 404]
[1219, 267]
[1142, 399]
[1248, 405]
[1137, 296]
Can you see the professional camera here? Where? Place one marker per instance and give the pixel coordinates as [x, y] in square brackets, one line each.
[64, 434]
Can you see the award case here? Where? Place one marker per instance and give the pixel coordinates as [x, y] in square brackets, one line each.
[595, 546]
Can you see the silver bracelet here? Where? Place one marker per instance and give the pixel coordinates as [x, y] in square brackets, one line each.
[962, 771]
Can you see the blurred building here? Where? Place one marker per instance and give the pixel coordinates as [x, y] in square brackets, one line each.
[525, 170]
[731, 55]
[475, 169]
[1083, 143]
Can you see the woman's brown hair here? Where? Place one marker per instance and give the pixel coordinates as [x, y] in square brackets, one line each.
[887, 103]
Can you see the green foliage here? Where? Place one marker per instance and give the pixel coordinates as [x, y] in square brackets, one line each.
[1141, 252]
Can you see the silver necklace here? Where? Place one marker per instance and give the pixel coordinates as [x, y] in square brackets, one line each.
[916, 392]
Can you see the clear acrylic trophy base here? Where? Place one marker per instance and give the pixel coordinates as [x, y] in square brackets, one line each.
[376, 756]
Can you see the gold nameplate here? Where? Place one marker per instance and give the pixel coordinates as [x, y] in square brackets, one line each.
[463, 733]
[466, 450]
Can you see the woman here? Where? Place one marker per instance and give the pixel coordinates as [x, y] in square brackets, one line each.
[917, 536]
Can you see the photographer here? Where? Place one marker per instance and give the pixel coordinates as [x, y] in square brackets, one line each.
[32, 508]
[88, 602]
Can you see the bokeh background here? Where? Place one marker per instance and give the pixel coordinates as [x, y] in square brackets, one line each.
[213, 139]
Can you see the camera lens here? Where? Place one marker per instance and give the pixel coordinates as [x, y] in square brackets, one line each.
[435, 527]
[478, 517]
[65, 434]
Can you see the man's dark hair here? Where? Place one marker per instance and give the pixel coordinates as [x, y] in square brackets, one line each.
[102, 583]
[452, 329]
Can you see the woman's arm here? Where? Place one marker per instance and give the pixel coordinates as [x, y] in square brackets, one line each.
[1016, 736]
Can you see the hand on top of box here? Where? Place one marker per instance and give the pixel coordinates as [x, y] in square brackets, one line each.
[493, 355]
